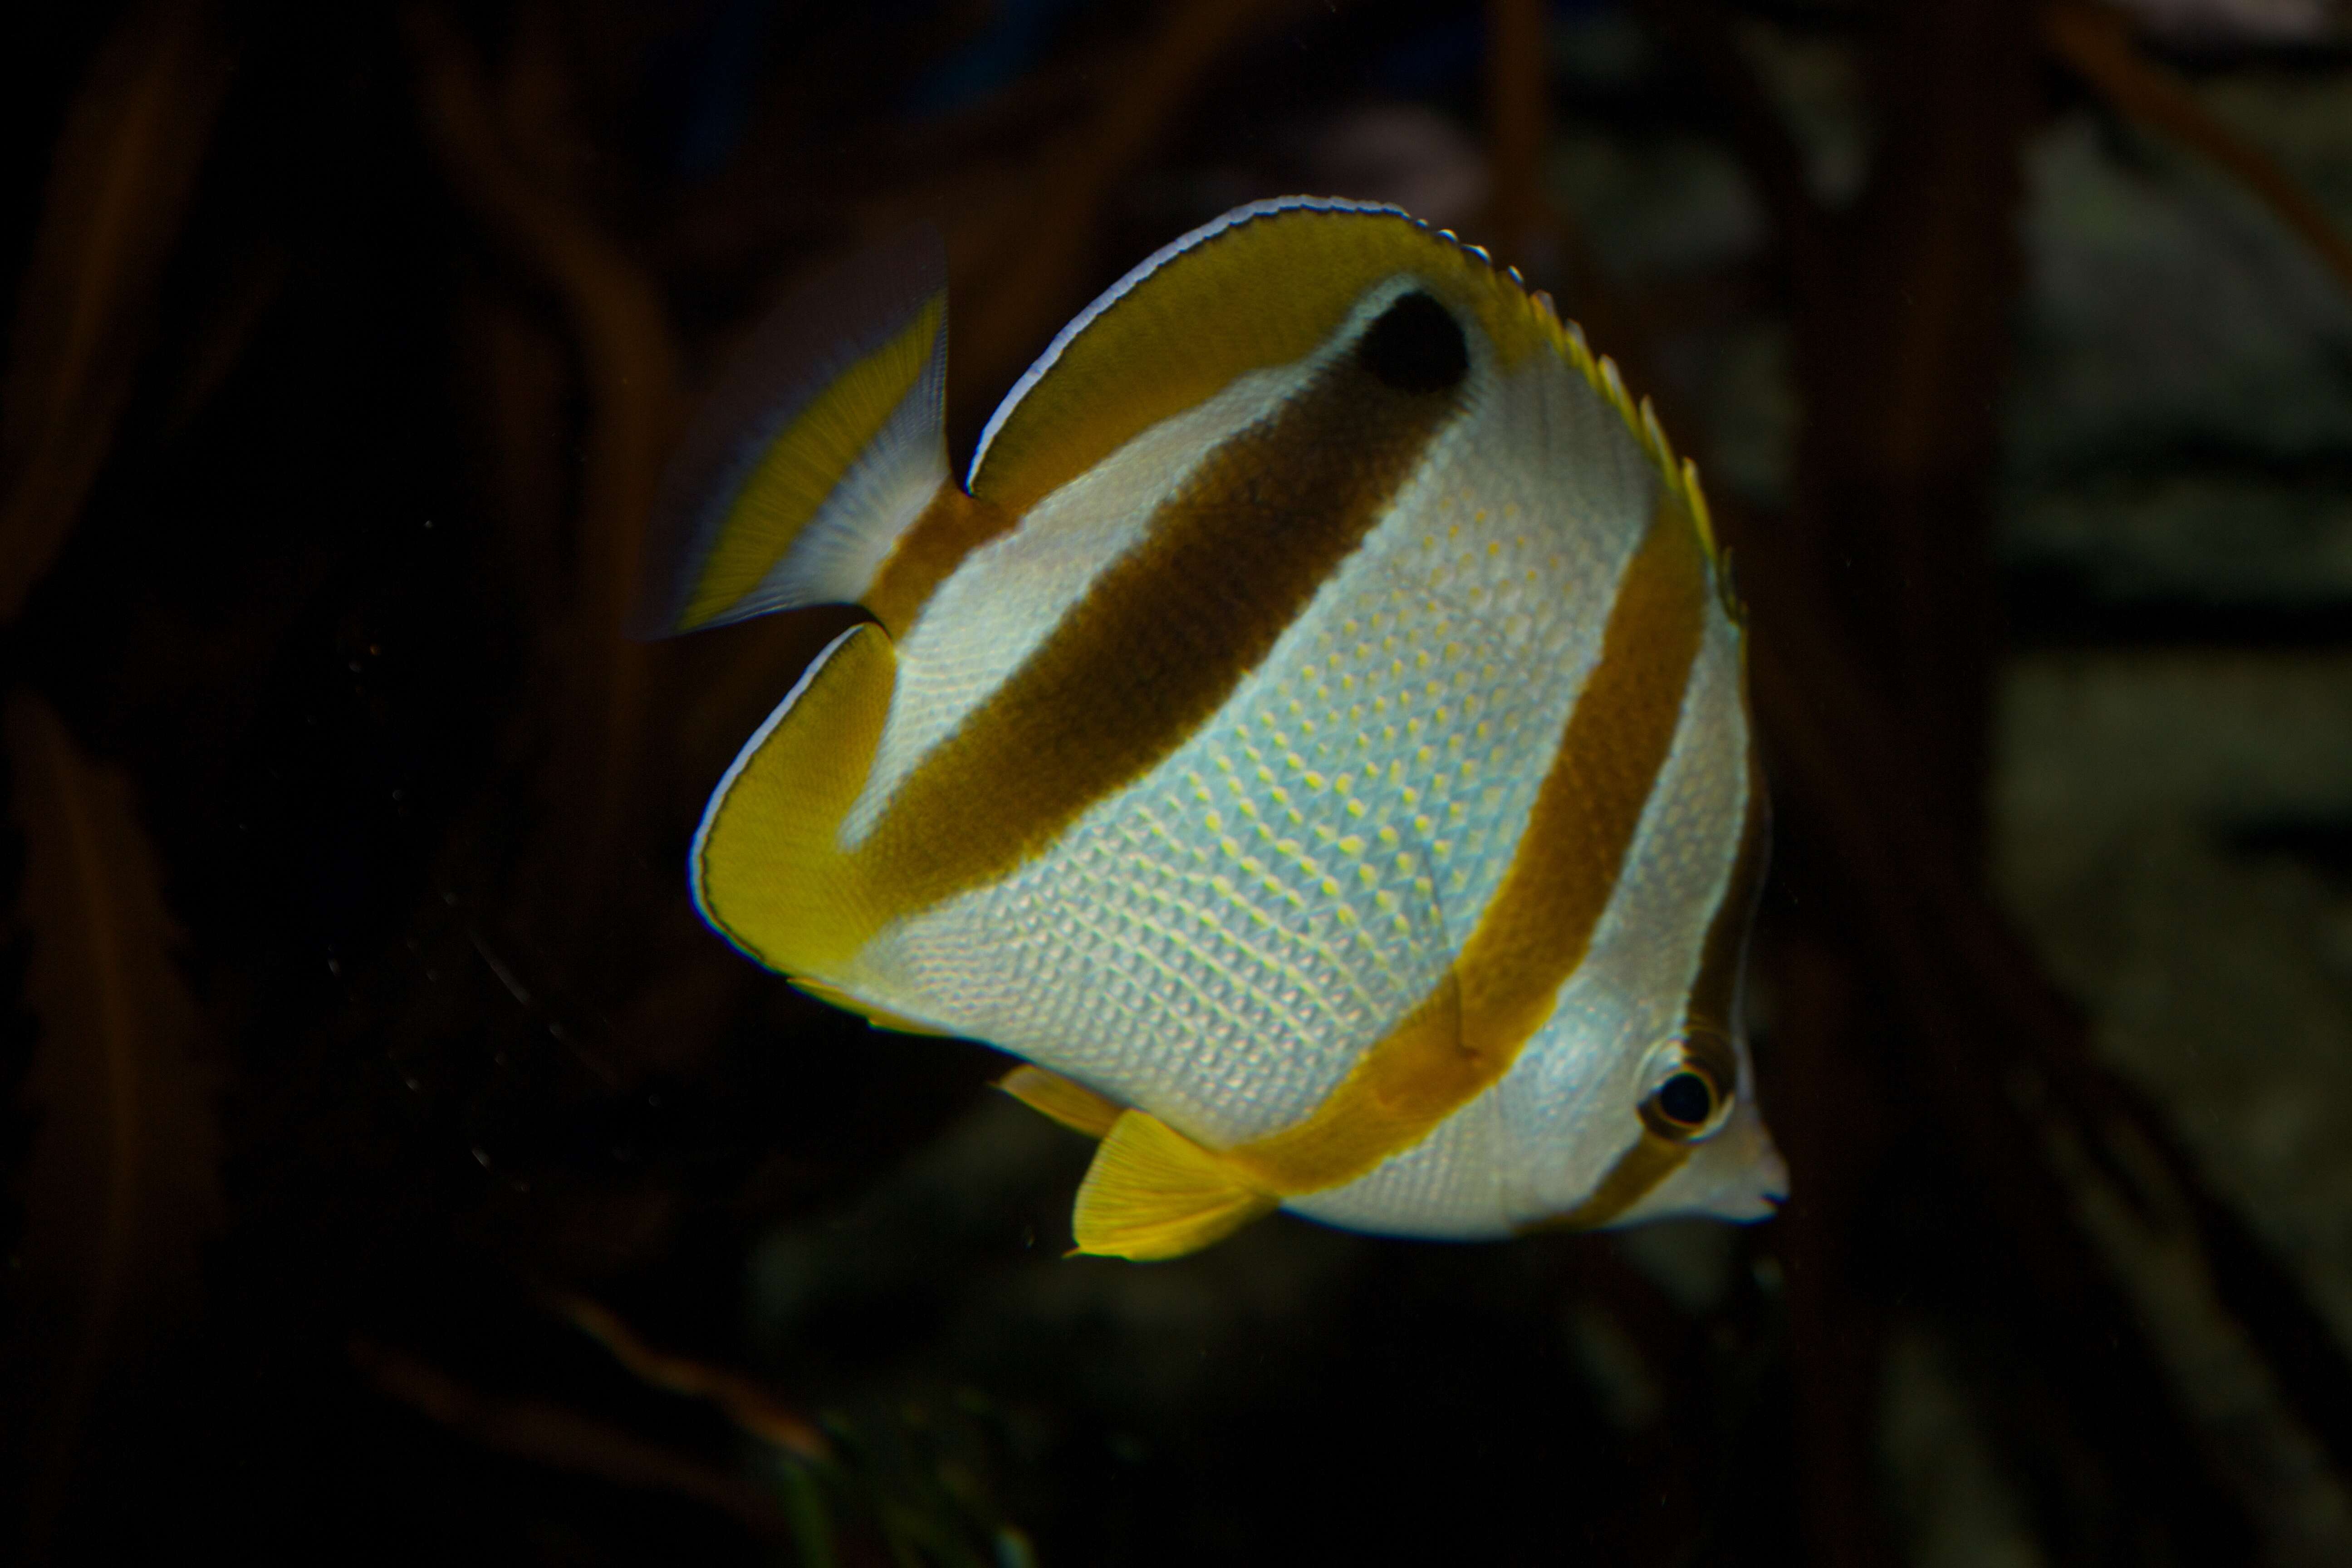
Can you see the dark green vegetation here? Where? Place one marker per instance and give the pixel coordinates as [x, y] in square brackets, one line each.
[360, 1044]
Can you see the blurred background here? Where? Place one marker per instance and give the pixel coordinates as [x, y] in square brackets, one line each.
[396, 1169]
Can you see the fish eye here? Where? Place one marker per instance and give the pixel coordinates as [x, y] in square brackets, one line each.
[1687, 1100]
[1690, 1079]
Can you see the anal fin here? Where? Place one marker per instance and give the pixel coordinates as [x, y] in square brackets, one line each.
[879, 1018]
[1153, 1192]
[1073, 1105]
[766, 868]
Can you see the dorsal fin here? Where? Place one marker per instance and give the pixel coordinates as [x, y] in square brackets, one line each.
[822, 442]
[1261, 286]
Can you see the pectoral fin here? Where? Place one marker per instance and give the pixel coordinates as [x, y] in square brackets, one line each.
[1153, 1192]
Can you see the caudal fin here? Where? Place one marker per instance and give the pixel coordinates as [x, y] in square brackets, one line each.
[821, 444]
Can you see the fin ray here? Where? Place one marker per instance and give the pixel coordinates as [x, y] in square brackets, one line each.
[822, 444]
[1073, 1105]
[1152, 1192]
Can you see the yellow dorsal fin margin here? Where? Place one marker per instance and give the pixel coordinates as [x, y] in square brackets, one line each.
[1153, 1192]
[1274, 278]
[1073, 1105]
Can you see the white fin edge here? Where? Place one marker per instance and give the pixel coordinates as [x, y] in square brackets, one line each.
[838, 554]
[823, 331]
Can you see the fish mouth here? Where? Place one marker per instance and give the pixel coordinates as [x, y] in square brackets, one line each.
[1767, 1189]
[1772, 1191]
[1757, 1208]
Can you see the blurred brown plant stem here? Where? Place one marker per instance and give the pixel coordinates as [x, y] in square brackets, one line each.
[120, 182]
[1908, 1015]
[628, 360]
[1901, 333]
[1518, 70]
[548, 1434]
[1033, 263]
[2098, 42]
[120, 1185]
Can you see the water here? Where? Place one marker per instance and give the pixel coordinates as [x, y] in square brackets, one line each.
[2030, 428]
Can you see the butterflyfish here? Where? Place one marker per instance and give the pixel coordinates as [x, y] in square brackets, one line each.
[1312, 737]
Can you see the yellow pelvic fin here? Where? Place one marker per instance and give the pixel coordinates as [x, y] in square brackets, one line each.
[1153, 1192]
[834, 996]
[1075, 1106]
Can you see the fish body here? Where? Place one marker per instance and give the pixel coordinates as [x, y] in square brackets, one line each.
[1314, 736]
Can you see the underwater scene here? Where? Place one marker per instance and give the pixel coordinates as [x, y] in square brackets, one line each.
[978, 784]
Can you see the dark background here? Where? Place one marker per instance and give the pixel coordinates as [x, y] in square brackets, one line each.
[396, 1168]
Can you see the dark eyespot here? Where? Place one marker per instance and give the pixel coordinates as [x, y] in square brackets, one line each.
[1687, 1100]
[1416, 346]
